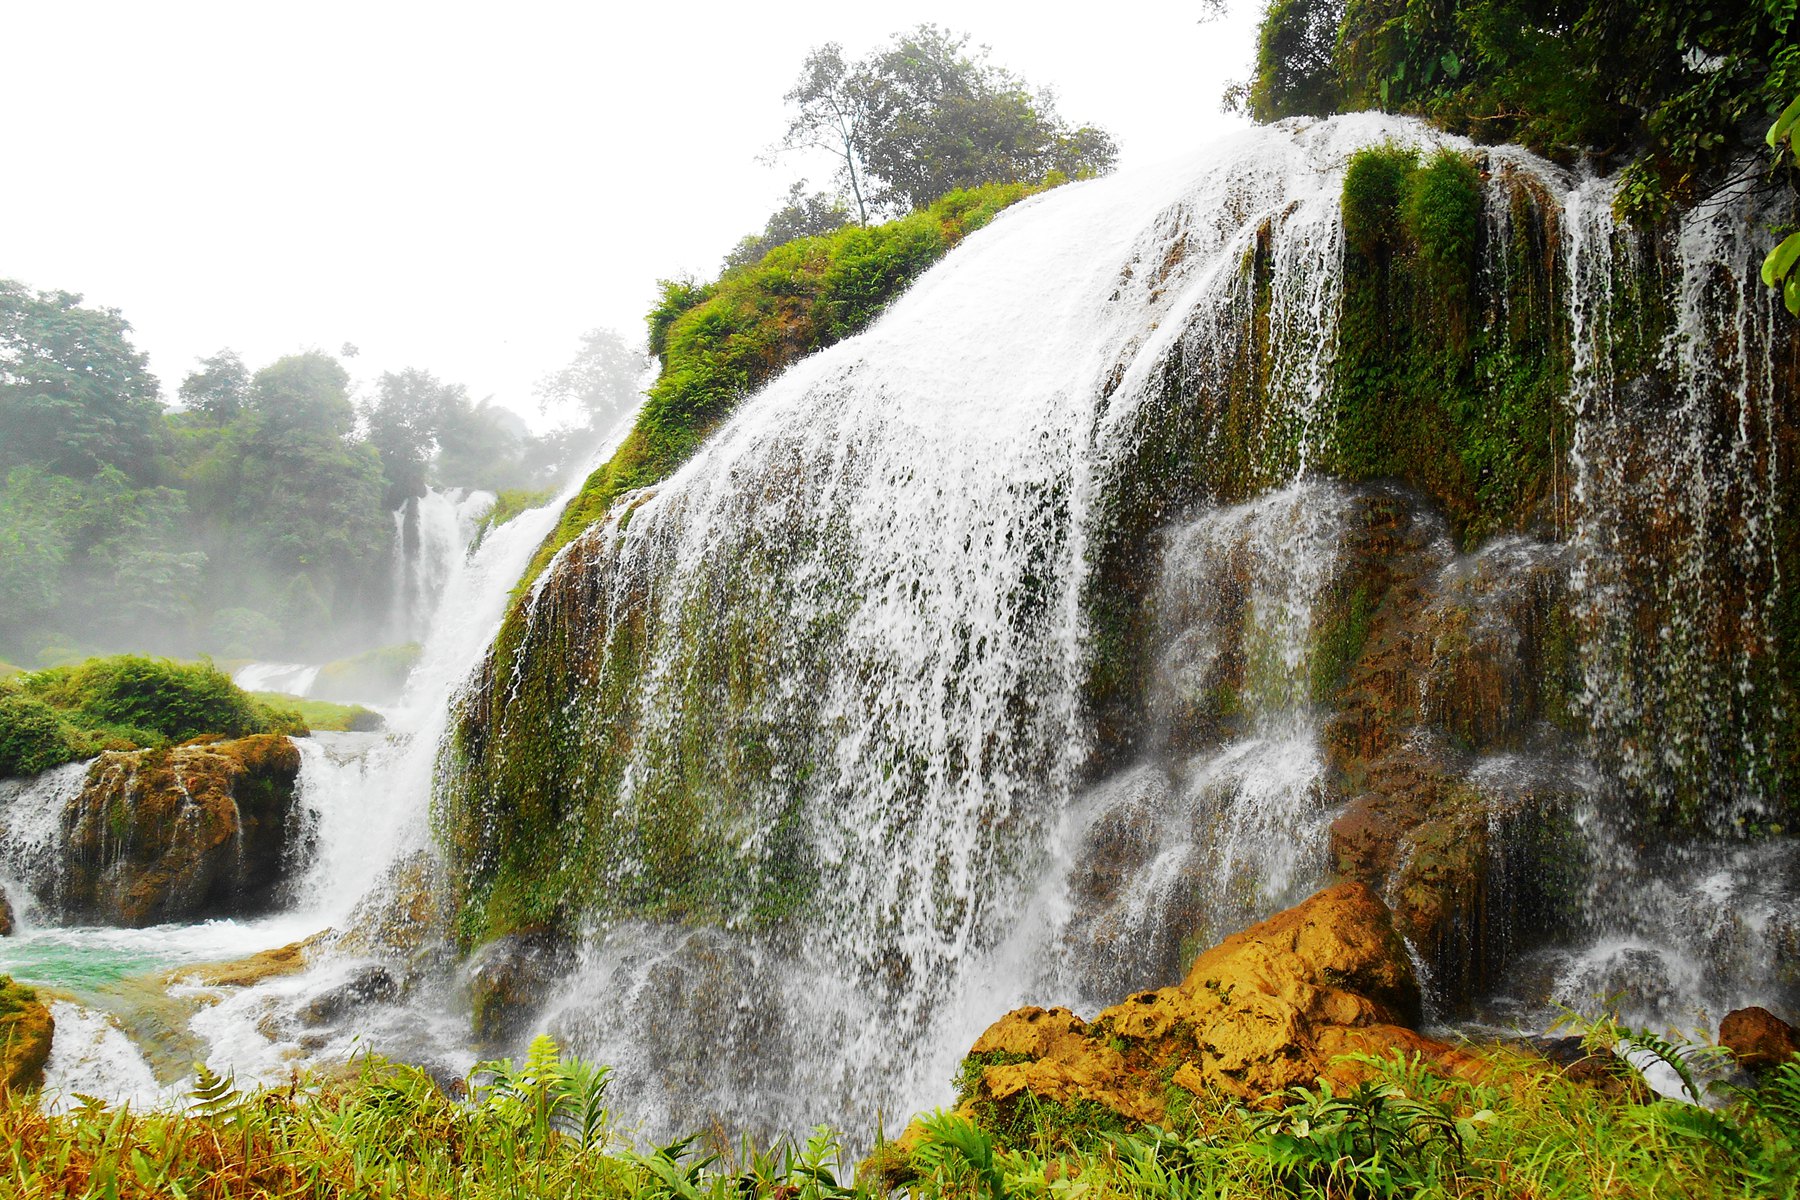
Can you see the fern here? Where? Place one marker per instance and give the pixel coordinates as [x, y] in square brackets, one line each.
[951, 1140]
[213, 1095]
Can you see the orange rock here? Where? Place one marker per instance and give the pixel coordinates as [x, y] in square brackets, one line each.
[1757, 1038]
[1267, 1009]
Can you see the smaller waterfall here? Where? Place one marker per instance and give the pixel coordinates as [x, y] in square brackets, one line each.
[1226, 819]
[430, 534]
[32, 812]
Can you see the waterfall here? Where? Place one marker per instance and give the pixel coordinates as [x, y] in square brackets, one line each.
[430, 533]
[819, 736]
[1017, 647]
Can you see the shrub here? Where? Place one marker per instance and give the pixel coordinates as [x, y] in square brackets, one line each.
[32, 738]
[175, 701]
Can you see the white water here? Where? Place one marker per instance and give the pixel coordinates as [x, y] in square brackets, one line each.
[899, 528]
[431, 533]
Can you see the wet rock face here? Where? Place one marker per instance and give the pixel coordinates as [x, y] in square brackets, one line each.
[1266, 1009]
[512, 976]
[196, 831]
[26, 1029]
[1757, 1038]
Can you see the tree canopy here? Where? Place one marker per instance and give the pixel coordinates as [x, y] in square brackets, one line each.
[928, 114]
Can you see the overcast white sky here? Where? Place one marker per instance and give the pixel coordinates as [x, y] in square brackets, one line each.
[467, 188]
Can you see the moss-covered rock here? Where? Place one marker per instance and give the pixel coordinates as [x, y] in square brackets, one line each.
[26, 1030]
[198, 830]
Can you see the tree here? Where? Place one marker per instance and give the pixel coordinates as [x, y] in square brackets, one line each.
[802, 216]
[302, 393]
[74, 394]
[220, 389]
[926, 115]
[406, 420]
[831, 102]
[601, 383]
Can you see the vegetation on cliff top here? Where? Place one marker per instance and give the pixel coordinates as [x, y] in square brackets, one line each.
[720, 341]
[1674, 90]
[125, 702]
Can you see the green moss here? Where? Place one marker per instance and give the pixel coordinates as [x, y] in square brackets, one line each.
[973, 1066]
[1339, 635]
[1437, 383]
[1026, 1120]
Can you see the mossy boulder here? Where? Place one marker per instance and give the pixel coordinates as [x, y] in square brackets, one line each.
[26, 1029]
[195, 831]
[1269, 1008]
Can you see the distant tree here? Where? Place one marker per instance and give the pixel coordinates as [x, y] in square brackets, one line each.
[220, 389]
[75, 395]
[306, 393]
[802, 216]
[927, 115]
[599, 385]
[406, 421]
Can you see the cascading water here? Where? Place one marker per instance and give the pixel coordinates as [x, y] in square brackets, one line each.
[810, 731]
[814, 737]
[430, 535]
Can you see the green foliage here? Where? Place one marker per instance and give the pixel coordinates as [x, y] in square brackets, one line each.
[176, 701]
[75, 396]
[544, 1098]
[1779, 268]
[1454, 387]
[1665, 87]
[800, 217]
[125, 702]
[923, 117]
[1374, 1140]
[297, 715]
[32, 734]
[953, 1144]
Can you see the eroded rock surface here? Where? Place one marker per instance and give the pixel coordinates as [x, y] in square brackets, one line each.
[26, 1029]
[166, 835]
[1266, 1009]
[1757, 1038]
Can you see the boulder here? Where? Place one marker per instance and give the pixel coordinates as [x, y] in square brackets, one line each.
[26, 1029]
[511, 977]
[1266, 1009]
[7, 921]
[1757, 1038]
[199, 830]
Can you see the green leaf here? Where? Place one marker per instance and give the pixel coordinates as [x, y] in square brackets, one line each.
[1452, 65]
[1784, 124]
[1781, 260]
[1791, 293]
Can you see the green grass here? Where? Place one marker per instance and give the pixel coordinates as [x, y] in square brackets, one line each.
[542, 1127]
[326, 716]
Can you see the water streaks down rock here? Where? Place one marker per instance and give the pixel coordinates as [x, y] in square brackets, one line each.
[195, 831]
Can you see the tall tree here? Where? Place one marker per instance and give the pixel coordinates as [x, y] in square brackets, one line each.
[75, 395]
[219, 389]
[831, 113]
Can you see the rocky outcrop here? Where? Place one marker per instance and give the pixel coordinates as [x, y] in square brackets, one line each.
[1757, 1038]
[1269, 1008]
[195, 831]
[511, 977]
[26, 1029]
